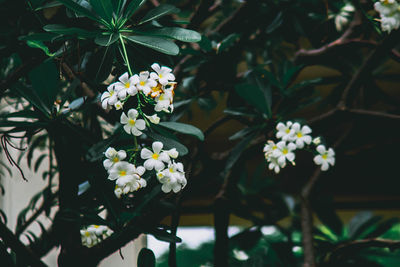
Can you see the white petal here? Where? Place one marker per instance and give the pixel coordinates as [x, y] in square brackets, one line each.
[306, 129]
[290, 156]
[132, 90]
[136, 132]
[164, 157]
[154, 76]
[296, 126]
[124, 118]
[128, 128]
[157, 146]
[132, 113]
[124, 77]
[121, 154]
[140, 124]
[146, 154]
[321, 149]
[318, 160]
[140, 170]
[325, 166]
[156, 67]
[149, 164]
[158, 165]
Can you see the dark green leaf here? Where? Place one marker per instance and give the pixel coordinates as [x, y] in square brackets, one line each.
[158, 12]
[103, 8]
[183, 128]
[106, 39]
[132, 7]
[176, 33]
[61, 29]
[79, 9]
[156, 43]
[227, 42]
[40, 45]
[254, 96]
[146, 258]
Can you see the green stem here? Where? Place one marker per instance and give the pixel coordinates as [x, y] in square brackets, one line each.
[126, 59]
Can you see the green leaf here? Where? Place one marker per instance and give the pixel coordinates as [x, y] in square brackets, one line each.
[158, 12]
[183, 128]
[106, 39]
[103, 8]
[132, 7]
[176, 33]
[79, 9]
[254, 96]
[61, 29]
[45, 80]
[158, 44]
[40, 45]
[38, 37]
[169, 143]
[228, 42]
[146, 258]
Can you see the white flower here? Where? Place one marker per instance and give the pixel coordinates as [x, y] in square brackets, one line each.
[172, 178]
[284, 152]
[113, 156]
[275, 165]
[269, 148]
[285, 132]
[119, 105]
[173, 153]
[164, 101]
[163, 74]
[325, 157]
[317, 140]
[131, 183]
[118, 191]
[240, 255]
[342, 18]
[89, 238]
[132, 125]
[389, 11]
[154, 159]
[109, 97]
[153, 118]
[121, 169]
[126, 85]
[145, 84]
[98, 230]
[301, 134]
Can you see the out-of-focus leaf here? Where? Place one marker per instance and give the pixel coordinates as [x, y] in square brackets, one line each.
[46, 82]
[158, 12]
[146, 258]
[100, 63]
[275, 23]
[254, 96]
[132, 7]
[227, 42]
[176, 33]
[39, 161]
[40, 45]
[83, 187]
[183, 128]
[156, 43]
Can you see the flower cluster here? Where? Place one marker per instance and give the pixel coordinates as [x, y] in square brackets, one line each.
[389, 11]
[292, 136]
[151, 88]
[342, 18]
[93, 234]
[158, 85]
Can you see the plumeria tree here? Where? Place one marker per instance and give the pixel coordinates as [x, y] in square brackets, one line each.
[261, 109]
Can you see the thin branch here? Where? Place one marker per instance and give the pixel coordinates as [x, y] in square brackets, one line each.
[23, 253]
[374, 113]
[352, 246]
[306, 229]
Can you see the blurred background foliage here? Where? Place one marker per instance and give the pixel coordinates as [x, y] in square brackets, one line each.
[242, 66]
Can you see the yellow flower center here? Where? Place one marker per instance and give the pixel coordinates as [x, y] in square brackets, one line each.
[111, 93]
[87, 234]
[285, 151]
[131, 122]
[171, 170]
[127, 85]
[96, 226]
[155, 156]
[160, 75]
[299, 134]
[287, 130]
[115, 160]
[122, 173]
[274, 147]
[386, 2]
[324, 156]
[142, 83]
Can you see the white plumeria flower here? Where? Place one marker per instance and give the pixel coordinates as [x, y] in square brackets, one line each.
[342, 18]
[325, 157]
[98, 230]
[164, 101]
[172, 178]
[173, 153]
[113, 156]
[269, 148]
[284, 152]
[89, 238]
[285, 132]
[163, 74]
[301, 135]
[132, 125]
[153, 118]
[131, 183]
[273, 164]
[109, 97]
[126, 85]
[155, 159]
[119, 105]
[145, 83]
[121, 169]
[389, 11]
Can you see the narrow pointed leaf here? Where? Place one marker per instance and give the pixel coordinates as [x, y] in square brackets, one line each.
[158, 12]
[177, 33]
[183, 128]
[79, 9]
[158, 44]
[103, 8]
[132, 7]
